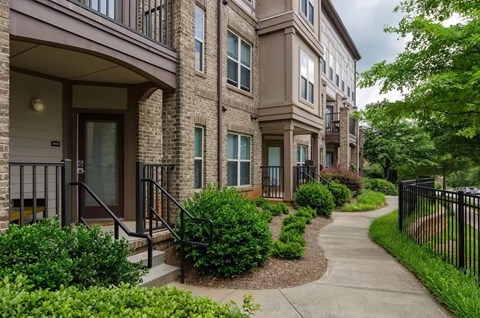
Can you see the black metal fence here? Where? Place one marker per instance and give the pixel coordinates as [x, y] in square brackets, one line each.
[272, 182]
[40, 190]
[151, 18]
[445, 222]
[161, 174]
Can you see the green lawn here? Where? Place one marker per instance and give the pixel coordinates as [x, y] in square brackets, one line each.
[459, 292]
[368, 200]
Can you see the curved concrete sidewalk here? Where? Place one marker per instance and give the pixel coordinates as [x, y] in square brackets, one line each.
[362, 280]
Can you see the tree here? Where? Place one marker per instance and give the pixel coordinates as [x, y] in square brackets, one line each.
[439, 71]
[395, 143]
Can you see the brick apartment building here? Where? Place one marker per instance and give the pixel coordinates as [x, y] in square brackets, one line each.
[234, 92]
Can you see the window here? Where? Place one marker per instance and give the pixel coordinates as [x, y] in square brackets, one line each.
[308, 9]
[106, 7]
[337, 76]
[330, 64]
[307, 77]
[238, 62]
[343, 86]
[198, 158]
[302, 154]
[199, 39]
[238, 160]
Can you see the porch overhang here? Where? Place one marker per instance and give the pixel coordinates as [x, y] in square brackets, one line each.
[62, 24]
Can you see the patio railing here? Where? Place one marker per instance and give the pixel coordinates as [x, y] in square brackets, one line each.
[272, 182]
[151, 18]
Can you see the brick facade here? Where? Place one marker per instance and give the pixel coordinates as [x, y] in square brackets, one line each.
[4, 110]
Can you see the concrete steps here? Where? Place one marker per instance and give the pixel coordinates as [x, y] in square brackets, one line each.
[160, 273]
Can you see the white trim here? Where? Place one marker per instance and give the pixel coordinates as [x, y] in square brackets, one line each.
[202, 70]
[307, 77]
[239, 160]
[239, 62]
[199, 158]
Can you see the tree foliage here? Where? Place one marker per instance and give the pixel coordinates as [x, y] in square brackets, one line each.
[395, 143]
[438, 73]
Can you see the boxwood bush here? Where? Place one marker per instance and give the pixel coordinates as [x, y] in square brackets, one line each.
[278, 208]
[316, 196]
[21, 299]
[50, 256]
[341, 194]
[290, 250]
[242, 238]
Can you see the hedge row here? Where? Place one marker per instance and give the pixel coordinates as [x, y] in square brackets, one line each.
[21, 299]
[291, 244]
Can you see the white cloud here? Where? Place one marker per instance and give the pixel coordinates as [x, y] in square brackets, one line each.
[372, 94]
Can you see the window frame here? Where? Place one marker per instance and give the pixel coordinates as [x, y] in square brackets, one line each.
[239, 160]
[202, 158]
[240, 63]
[310, 62]
[202, 41]
[310, 11]
[299, 154]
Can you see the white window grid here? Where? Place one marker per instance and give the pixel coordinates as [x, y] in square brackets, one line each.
[309, 77]
[240, 64]
[239, 160]
[195, 158]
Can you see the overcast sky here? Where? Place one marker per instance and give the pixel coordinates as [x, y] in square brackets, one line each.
[365, 20]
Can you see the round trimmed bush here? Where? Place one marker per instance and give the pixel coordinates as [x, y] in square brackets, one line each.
[278, 208]
[317, 197]
[307, 213]
[291, 250]
[380, 185]
[289, 236]
[341, 194]
[349, 178]
[242, 238]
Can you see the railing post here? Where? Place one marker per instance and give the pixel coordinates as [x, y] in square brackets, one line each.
[461, 230]
[140, 215]
[81, 204]
[66, 192]
[400, 206]
[182, 253]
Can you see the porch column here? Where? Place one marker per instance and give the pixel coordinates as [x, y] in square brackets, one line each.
[316, 150]
[288, 161]
[344, 150]
[4, 111]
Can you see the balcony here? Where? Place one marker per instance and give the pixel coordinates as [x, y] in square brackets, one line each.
[333, 129]
[135, 35]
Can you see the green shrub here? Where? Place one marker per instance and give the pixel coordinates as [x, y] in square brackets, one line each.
[290, 236]
[380, 185]
[315, 196]
[242, 238]
[307, 213]
[460, 293]
[291, 250]
[278, 208]
[341, 194]
[262, 203]
[438, 186]
[297, 226]
[21, 299]
[343, 176]
[50, 256]
[293, 219]
[368, 200]
[267, 215]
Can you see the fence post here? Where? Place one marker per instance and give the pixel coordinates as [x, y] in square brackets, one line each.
[66, 192]
[461, 230]
[140, 213]
[400, 206]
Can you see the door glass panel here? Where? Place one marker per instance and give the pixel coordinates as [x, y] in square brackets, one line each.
[101, 166]
[274, 160]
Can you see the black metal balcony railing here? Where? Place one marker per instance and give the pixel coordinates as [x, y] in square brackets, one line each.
[151, 18]
[352, 126]
[332, 122]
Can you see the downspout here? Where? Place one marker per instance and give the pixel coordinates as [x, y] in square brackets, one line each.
[220, 91]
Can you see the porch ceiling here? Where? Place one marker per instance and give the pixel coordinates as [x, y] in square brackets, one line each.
[68, 64]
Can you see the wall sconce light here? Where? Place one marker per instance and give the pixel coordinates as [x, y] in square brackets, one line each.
[253, 117]
[38, 105]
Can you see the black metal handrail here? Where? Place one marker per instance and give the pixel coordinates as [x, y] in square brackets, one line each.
[180, 238]
[118, 223]
[332, 123]
[320, 180]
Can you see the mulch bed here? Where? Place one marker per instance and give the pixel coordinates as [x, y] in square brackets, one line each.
[276, 273]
